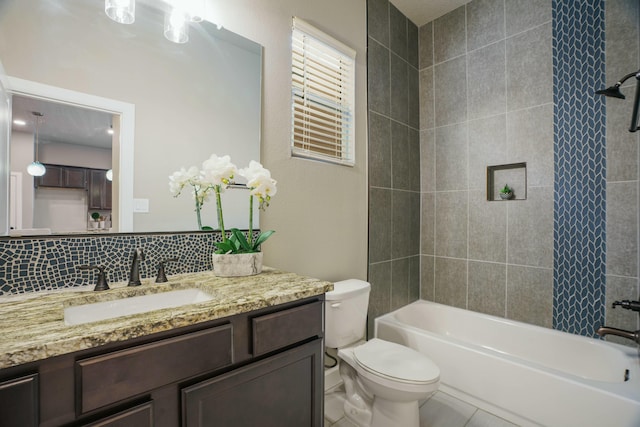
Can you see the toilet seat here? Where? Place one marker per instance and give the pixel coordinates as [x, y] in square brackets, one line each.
[396, 362]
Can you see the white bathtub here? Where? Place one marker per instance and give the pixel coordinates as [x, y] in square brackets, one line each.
[526, 374]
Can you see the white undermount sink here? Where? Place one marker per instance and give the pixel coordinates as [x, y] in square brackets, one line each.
[86, 313]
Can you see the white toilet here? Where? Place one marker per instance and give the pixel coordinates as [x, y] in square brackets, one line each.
[384, 381]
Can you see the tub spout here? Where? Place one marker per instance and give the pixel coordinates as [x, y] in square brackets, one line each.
[633, 336]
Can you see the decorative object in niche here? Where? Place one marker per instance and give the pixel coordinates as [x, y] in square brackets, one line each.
[506, 192]
[515, 174]
[215, 177]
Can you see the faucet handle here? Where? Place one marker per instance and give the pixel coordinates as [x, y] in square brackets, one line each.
[101, 284]
[627, 305]
[162, 277]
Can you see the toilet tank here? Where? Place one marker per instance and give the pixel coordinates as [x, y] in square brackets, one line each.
[346, 313]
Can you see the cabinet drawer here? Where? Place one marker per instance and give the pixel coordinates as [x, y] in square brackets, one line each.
[139, 416]
[283, 328]
[19, 402]
[109, 378]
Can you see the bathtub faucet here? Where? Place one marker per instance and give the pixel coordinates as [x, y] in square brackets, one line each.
[605, 330]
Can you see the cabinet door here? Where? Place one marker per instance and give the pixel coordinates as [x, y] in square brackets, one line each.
[75, 178]
[19, 402]
[285, 390]
[51, 178]
[98, 189]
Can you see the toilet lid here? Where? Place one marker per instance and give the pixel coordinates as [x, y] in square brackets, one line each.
[396, 361]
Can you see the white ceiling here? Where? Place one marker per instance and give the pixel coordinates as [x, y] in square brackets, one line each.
[63, 123]
[423, 11]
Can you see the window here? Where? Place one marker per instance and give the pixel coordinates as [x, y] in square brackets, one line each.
[322, 96]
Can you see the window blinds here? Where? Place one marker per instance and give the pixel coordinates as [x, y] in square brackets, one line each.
[322, 96]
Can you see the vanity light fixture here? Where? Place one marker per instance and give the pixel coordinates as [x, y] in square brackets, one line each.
[121, 11]
[109, 175]
[110, 130]
[19, 122]
[36, 168]
[176, 25]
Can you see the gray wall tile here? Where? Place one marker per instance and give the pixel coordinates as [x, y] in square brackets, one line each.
[406, 224]
[485, 23]
[428, 160]
[427, 111]
[379, 88]
[530, 239]
[487, 91]
[400, 283]
[380, 220]
[451, 282]
[449, 38]
[451, 224]
[530, 295]
[413, 82]
[414, 278]
[425, 45]
[487, 228]
[522, 15]
[379, 151]
[621, 21]
[451, 157]
[530, 139]
[427, 224]
[399, 89]
[487, 287]
[414, 161]
[622, 228]
[397, 32]
[400, 157]
[622, 145]
[412, 44]
[378, 20]
[427, 277]
[380, 296]
[529, 68]
[451, 91]
[487, 147]
[621, 288]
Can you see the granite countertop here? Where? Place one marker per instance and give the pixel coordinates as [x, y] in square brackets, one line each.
[33, 326]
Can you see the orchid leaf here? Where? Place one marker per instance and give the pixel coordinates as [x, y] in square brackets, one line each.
[262, 238]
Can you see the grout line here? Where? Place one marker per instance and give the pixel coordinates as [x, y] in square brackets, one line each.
[506, 137]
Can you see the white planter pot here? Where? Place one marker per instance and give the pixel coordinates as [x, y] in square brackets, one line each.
[233, 265]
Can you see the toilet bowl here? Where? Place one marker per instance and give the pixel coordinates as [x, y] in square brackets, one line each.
[384, 382]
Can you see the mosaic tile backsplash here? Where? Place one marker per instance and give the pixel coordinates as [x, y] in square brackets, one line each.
[580, 165]
[48, 263]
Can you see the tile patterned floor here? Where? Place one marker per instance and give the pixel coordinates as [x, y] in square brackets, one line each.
[441, 410]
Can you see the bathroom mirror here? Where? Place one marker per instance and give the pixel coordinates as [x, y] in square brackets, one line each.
[187, 100]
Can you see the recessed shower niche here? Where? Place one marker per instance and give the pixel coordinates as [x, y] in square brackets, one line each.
[513, 176]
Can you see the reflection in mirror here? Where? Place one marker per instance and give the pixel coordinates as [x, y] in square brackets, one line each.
[191, 100]
[75, 146]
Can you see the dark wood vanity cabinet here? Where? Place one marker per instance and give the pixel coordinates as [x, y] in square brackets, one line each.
[257, 369]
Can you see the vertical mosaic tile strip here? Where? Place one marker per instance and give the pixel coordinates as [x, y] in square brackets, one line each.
[47, 263]
[580, 165]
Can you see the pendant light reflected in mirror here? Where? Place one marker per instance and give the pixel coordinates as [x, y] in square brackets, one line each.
[176, 25]
[36, 168]
[121, 11]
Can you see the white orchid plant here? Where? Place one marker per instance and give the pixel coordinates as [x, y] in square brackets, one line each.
[216, 175]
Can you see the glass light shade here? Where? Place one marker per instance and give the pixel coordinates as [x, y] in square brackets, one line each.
[36, 169]
[176, 26]
[121, 11]
[110, 175]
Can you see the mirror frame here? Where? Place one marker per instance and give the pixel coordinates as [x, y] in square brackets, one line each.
[126, 111]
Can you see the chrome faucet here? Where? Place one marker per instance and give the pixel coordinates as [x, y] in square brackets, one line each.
[134, 273]
[631, 335]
